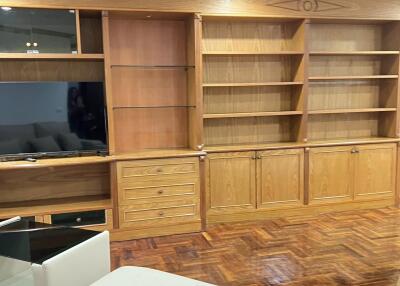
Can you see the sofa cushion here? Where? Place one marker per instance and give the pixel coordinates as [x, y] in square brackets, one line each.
[70, 142]
[9, 147]
[23, 133]
[45, 144]
[45, 129]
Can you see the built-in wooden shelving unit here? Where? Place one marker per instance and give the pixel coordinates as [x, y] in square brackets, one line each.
[353, 80]
[152, 75]
[66, 184]
[253, 80]
[281, 81]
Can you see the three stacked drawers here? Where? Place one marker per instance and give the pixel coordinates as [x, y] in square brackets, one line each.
[155, 193]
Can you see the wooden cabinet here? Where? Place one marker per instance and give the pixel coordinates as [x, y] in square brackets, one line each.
[375, 171]
[247, 181]
[280, 178]
[340, 174]
[330, 175]
[231, 182]
[159, 194]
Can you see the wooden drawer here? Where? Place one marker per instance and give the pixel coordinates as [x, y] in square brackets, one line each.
[163, 168]
[98, 220]
[158, 191]
[151, 215]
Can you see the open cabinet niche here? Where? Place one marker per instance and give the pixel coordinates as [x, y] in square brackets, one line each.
[152, 67]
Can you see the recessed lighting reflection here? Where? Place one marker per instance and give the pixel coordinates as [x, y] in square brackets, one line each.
[6, 8]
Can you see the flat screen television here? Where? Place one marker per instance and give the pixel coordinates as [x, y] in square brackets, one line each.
[52, 119]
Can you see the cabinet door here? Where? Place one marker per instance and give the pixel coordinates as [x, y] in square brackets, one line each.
[280, 178]
[331, 175]
[54, 31]
[15, 30]
[375, 171]
[231, 182]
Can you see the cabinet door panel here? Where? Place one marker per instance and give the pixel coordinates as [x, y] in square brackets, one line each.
[375, 167]
[331, 175]
[280, 178]
[231, 182]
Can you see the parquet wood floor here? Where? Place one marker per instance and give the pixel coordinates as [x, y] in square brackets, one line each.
[349, 248]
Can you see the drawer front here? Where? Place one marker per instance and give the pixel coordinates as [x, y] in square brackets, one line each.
[153, 215]
[139, 215]
[79, 218]
[149, 169]
[158, 191]
[98, 220]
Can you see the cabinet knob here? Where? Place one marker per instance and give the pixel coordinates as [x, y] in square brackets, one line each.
[355, 151]
[160, 192]
[161, 213]
[159, 170]
[78, 219]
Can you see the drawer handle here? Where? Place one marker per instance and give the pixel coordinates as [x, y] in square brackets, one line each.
[160, 192]
[78, 219]
[159, 170]
[161, 213]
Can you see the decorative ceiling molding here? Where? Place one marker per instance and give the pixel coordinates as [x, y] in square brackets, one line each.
[307, 5]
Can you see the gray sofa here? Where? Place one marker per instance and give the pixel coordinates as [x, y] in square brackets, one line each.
[43, 137]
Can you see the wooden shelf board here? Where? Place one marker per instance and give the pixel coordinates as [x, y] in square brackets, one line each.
[149, 106]
[251, 114]
[65, 162]
[253, 147]
[51, 206]
[51, 56]
[49, 163]
[352, 77]
[354, 110]
[244, 84]
[158, 154]
[353, 53]
[351, 141]
[245, 53]
[294, 145]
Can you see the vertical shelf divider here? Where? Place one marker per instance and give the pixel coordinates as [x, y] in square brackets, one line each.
[108, 82]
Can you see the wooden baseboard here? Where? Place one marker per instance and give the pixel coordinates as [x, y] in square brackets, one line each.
[129, 234]
[262, 214]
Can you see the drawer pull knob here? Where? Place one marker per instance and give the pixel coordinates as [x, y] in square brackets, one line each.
[160, 192]
[159, 170]
[78, 219]
[161, 213]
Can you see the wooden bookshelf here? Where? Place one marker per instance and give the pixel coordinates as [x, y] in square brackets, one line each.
[253, 80]
[353, 80]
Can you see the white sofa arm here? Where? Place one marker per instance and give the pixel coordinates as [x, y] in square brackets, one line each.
[79, 266]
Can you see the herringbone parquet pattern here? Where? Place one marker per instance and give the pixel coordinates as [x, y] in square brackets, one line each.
[350, 248]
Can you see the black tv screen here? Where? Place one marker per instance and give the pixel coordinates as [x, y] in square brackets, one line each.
[39, 119]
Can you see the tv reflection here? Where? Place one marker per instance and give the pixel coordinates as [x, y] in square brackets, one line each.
[84, 118]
